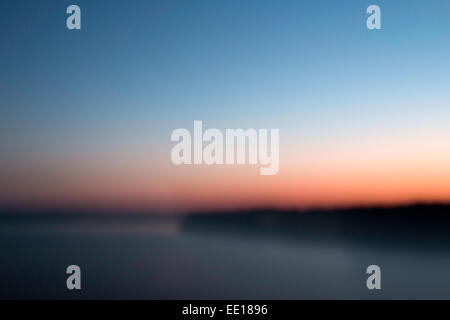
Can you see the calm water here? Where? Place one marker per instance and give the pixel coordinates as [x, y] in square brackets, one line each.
[160, 261]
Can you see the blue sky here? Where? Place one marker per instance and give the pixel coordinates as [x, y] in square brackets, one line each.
[139, 69]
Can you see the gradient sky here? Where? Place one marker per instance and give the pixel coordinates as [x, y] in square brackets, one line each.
[86, 116]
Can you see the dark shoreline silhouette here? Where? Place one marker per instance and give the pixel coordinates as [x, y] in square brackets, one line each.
[423, 224]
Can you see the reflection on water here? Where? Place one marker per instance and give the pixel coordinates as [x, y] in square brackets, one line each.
[160, 260]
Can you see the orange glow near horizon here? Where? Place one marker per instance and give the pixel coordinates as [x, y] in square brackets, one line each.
[379, 175]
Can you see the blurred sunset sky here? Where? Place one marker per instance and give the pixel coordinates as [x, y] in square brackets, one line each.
[86, 116]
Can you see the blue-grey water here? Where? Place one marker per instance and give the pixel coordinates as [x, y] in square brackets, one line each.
[159, 260]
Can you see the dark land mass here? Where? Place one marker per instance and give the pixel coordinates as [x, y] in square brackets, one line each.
[425, 226]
